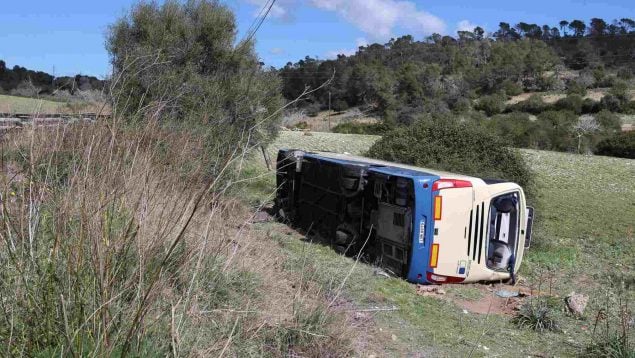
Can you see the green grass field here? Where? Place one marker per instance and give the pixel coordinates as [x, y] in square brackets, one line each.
[14, 104]
[583, 240]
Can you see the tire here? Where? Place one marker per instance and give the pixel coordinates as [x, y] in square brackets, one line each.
[346, 236]
[348, 183]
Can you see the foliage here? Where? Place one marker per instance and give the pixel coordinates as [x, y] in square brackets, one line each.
[572, 102]
[491, 105]
[511, 88]
[620, 145]
[362, 128]
[180, 62]
[516, 128]
[557, 127]
[39, 82]
[534, 105]
[575, 87]
[440, 143]
[538, 315]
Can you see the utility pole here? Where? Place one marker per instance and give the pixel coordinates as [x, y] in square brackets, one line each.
[329, 111]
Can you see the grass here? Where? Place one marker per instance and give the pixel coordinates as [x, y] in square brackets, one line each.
[15, 104]
[583, 233]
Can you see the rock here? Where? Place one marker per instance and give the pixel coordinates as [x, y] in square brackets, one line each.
[394, 338]
[429, 290]
[380, 272]
[261, 216]
[576, 303]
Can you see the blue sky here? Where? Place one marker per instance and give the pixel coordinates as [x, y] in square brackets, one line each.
[66, 37]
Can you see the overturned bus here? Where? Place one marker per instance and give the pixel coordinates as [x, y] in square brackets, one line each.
[424, 225]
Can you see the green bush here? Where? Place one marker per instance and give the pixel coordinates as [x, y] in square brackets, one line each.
[538, 315]
[572, 102]
[363, 128]
[517, 128]
[533, 105]
[557, 127]
[312, 110]
[443, 144]
[491, 105]
[590, 106]
[620, 145]
[339, 105]
[576, 87]
[511, 88]
[611, 103]
[629, 107]
[609, 121]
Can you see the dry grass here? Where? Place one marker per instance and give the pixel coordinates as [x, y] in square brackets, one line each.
[25, 105]
[326, 120]
[119, 242]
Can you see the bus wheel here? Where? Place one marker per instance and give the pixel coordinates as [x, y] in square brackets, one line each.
[345, 237]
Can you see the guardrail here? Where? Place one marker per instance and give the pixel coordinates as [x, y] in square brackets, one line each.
[27, 116]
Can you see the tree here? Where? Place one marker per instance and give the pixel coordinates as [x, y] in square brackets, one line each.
[563, 27]
[578, 27]
[506, 32]
[586, 126]
[180, 62]
[598, 27]
[627, 24]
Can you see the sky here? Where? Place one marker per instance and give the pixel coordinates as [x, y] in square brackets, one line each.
[66, 37]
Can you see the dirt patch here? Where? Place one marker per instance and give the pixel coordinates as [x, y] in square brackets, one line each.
[491, 299]
[553, 98]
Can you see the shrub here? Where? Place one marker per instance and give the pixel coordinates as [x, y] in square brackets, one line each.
[533, 105]
[576, 87]
[461, 105]
[625, 73]
[572, 102]
[491, 105]
[511, 88]
[611, 103]
[538, 315]
[441, 144]
[609, 121]
[557, 129]
[339, 105]
[620, 90]
[620, 145]
[590, 106]
[629, 107]
[363, 128]
[312, 110]
[517, 128]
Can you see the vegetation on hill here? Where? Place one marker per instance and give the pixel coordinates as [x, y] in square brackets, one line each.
[29, 83]
[472, 76]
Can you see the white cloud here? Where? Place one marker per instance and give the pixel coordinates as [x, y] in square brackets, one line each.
[277, 51]
[465, 25]
[360, 41]
[346, 52]
[282, 9]
[379, 18]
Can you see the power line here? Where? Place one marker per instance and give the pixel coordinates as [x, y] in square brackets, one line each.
[258, 22]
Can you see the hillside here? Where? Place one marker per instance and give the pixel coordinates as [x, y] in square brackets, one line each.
[583, 242]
